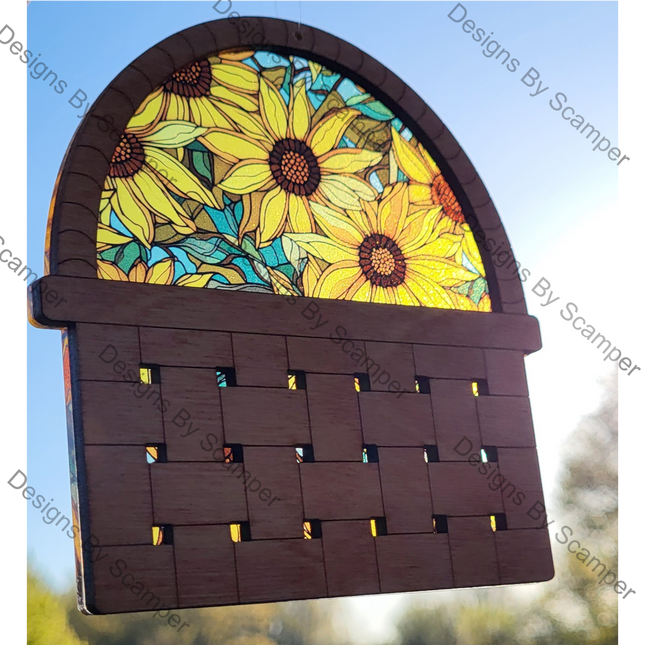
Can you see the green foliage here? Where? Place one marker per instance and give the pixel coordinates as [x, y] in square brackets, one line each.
[296, 623]
[46, 620]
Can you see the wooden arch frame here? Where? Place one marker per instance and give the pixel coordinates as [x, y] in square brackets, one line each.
[74, 216]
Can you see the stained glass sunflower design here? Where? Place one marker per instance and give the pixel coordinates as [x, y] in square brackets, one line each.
[295, 163]
[212, 92]
[388, 254]
[253, 171]
[142, 173]
[427, 184]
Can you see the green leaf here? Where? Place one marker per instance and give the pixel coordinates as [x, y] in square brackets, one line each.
[247, 247]
[479, 289]
[202, 163]
[357, 99]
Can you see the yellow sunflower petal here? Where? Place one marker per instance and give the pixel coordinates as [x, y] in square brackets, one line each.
[246, 102]
[348, 160]
[462, 302]
[409, 161]
[393, 211]
[404, 296]
[161, 272]
[443, 225]
[337, 226]
[366, 218]
[107, 236]
[299, 116]
[418, 229]
[235, 54]
[484, 303]
[442, 272]
[420, 193]
[105, 205]
[281, 284]
[138, 272]
[471, 250]
[363, 293]
[234, 146]
[315, 70]
[172, 134]
[429, 161]
[110, 271]
[428, 292]
[246, 122]
[148, 111]
[338, 279]
[133, 211]
[205, 113]
[324, 248]
[443, 247]
[236, 76]
[178, 109]
[147, 186]
[329, 130]
[380, 296]
[273, 110]
[346, 191]
[178, 176]
[361, 220]
[300, 217]
[273, 214]
[194, 280]
[310, 276]
[246, 177]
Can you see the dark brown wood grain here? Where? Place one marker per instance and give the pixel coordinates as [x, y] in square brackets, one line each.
[104, 301]
[350, 558]
[474, 557]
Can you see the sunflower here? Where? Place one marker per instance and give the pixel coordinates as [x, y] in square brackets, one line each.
[142, 174]
[428, 187]
[391, 255]
[427, 184]
[161, 272]
[211, 92]
[296, 164]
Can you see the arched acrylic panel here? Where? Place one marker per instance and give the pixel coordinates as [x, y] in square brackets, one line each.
[254, 171]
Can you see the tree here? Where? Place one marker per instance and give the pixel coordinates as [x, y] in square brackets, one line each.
[46, 620]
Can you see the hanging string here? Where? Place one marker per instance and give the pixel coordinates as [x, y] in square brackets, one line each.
[299, 14]
[276, 8]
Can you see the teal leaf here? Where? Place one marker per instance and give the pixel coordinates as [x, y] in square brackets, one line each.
[202, 163]
[211, 251]
[375, 110]
[128, 255]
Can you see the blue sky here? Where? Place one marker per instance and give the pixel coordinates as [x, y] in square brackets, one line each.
[557, 198]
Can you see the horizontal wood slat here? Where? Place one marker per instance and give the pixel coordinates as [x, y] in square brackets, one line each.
[124, 303]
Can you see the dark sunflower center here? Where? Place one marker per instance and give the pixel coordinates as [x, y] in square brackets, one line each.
[191, 81]
[295, 167]
[128, 158]
[382, 261]
[442, 194]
